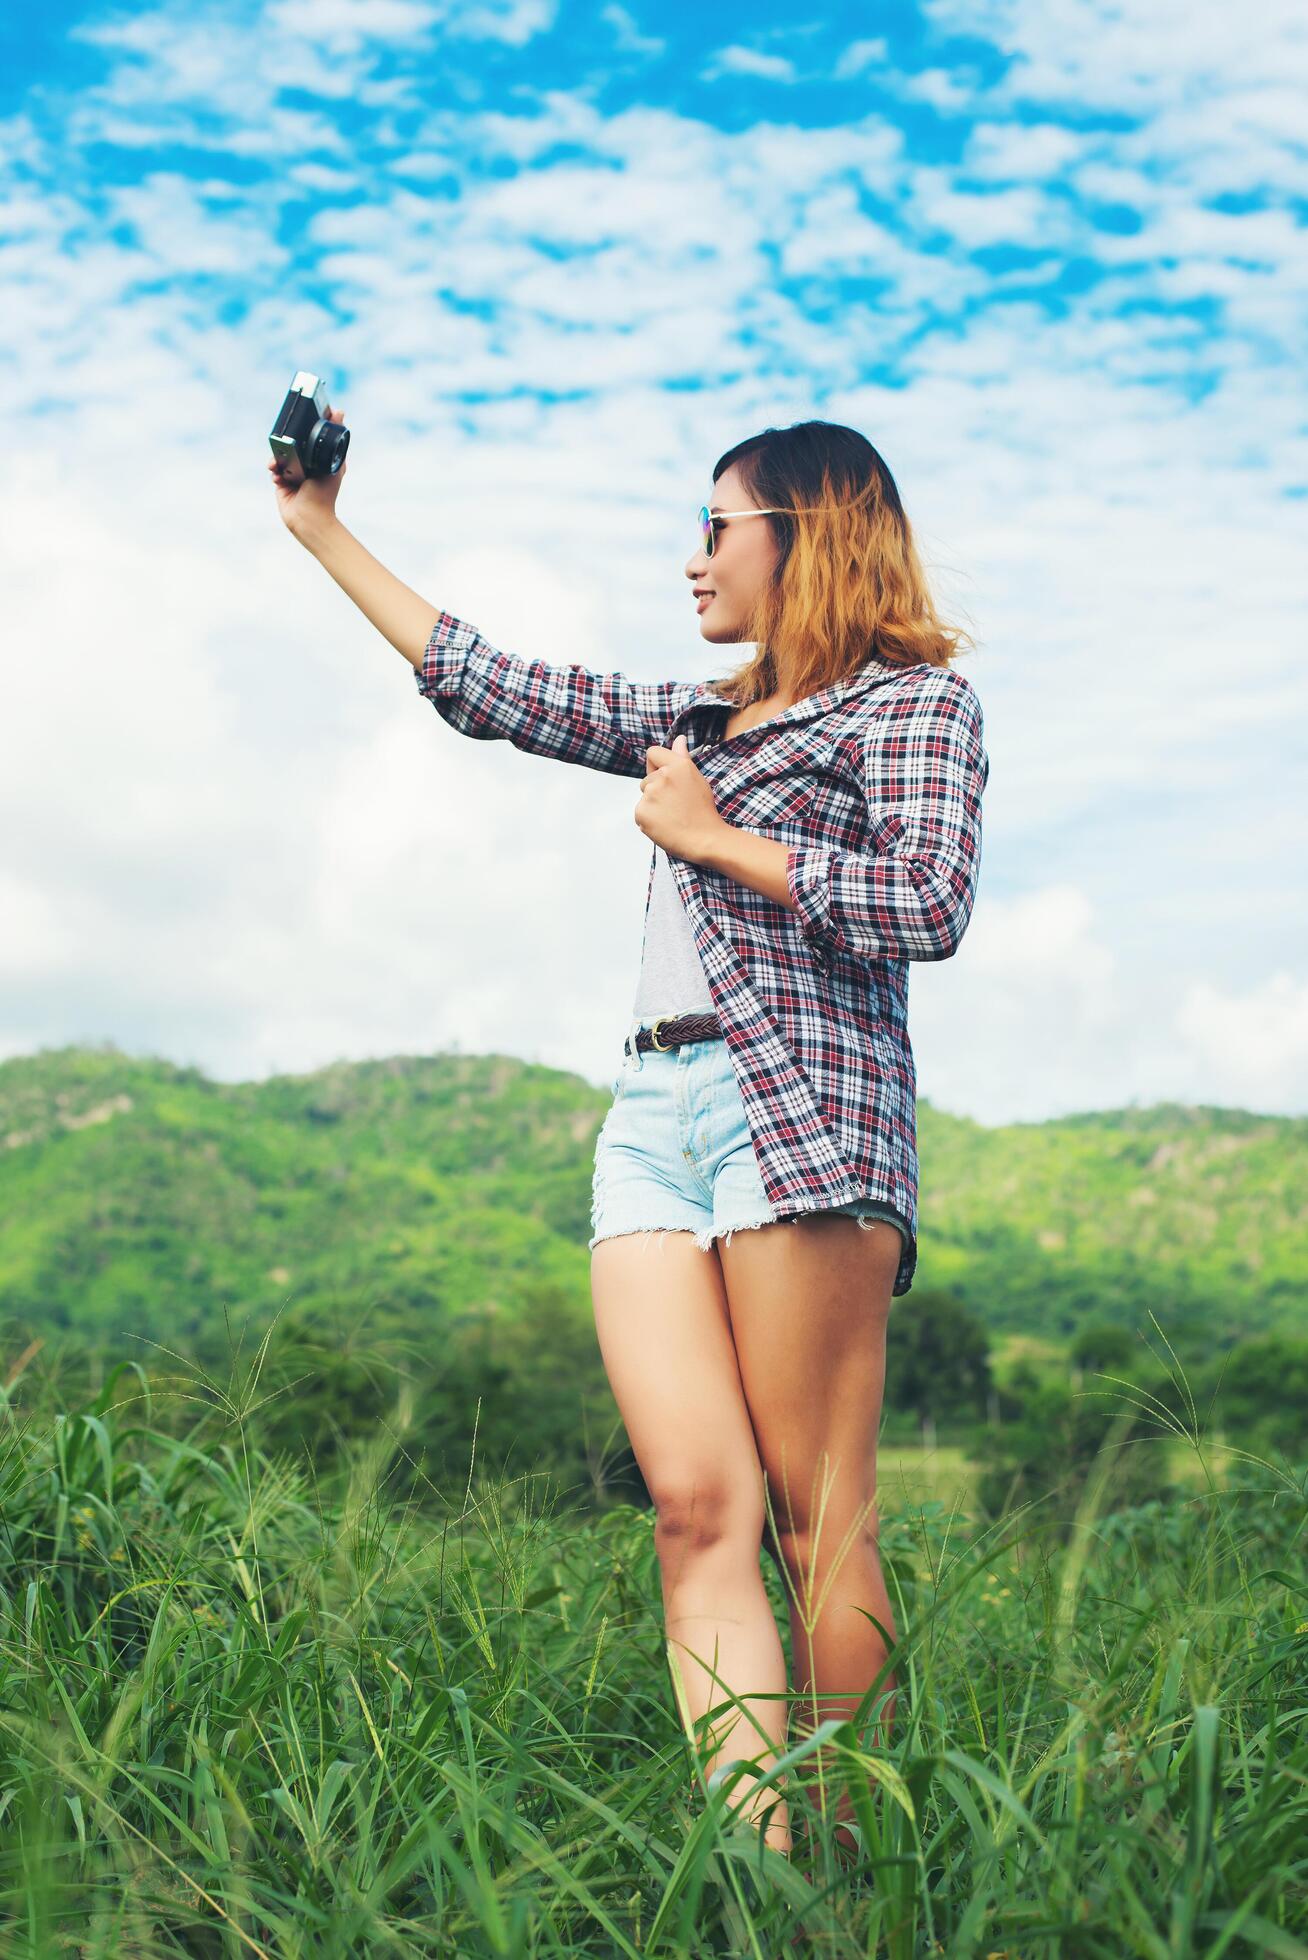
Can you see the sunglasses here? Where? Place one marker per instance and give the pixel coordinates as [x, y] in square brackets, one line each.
[709, 521]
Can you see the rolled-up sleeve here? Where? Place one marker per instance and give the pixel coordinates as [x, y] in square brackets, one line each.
[924, 769]
[599, 721]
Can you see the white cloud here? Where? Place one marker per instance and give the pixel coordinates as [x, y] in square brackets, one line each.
[1026, 216]
[36, 936]
[1034, 992]
[627, 35]
[858, 57]
[1000, 150]
[515, 22]
[1096, 53]
[737, 60]
[245, 808]
[343, 26]
[1251, 1045]
[950, 95]
[1043, 943]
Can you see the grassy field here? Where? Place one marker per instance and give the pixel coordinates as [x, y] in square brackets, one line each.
[911, 1475]
[241, 1715]
[908, 1477]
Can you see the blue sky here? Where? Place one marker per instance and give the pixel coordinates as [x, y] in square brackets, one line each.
[1049, 257]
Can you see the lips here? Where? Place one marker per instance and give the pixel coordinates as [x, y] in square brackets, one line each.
[705, 599]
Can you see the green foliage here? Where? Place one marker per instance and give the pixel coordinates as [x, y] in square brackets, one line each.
[1262, 1389]
[509, 1395]
[1056, 1440]
[1194, 1212]
[1103, 1347]
[140, 1199]
[1054, 1444]
[938, 1357]
[246, 1711]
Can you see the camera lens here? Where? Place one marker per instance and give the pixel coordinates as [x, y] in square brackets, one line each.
[327, 449]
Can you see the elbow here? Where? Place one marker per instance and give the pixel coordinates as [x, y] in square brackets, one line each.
[943, 911]
[920, 937]
[941, 946]
[948, 935]
[921, 915]
[926, 946]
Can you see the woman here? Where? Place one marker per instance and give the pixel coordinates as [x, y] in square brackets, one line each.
[816, 819]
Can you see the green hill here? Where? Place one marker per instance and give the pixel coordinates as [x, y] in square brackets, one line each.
[139, 1197]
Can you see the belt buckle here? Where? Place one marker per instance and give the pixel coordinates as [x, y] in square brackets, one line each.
[664, 1047]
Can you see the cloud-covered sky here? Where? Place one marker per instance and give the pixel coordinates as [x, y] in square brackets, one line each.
[1048, 255]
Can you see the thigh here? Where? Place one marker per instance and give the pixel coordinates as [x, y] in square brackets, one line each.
[665, 1336]
[808, 1300]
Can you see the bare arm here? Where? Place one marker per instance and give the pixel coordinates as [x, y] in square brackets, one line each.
[308, 510]
[748, 859]
[401, 615]
[600, 721]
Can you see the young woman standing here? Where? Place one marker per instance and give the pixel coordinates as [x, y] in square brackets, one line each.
[816, 818]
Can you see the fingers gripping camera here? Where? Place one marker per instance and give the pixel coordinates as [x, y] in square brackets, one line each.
[303, 439]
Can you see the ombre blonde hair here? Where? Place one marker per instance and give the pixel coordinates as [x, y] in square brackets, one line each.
[848, 582]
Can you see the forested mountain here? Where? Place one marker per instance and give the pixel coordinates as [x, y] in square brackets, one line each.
[136, 1195]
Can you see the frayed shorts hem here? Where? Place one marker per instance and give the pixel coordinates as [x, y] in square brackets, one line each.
[706, 1239]
[675, 1154]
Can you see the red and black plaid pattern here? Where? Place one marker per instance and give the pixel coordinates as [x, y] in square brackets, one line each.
[875, 783]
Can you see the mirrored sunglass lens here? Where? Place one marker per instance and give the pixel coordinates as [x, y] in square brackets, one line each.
[706, 527]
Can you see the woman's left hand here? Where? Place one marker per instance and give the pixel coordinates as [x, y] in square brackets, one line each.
[676, 808]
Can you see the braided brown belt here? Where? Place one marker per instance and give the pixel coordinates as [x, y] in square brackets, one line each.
[671, 1030]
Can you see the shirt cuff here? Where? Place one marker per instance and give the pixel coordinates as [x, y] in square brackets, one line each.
[441, 671]
[808, 880]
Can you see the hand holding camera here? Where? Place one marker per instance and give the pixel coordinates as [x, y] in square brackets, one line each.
[308, 441]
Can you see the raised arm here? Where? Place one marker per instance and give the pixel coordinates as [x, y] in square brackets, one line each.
[910, 897]
[308, 510]
[396, 611]
[600, 721]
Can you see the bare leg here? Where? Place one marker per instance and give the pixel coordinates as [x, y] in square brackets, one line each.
[719, 1622]
[665, 1336]
[809, 1303]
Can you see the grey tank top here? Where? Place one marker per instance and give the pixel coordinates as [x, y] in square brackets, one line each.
[671, 975]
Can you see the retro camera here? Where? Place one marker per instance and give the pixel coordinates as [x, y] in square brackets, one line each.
[302, 439]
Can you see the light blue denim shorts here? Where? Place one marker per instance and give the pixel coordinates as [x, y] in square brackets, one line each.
[674, 1153]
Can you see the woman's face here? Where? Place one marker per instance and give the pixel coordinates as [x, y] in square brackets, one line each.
[744, 557]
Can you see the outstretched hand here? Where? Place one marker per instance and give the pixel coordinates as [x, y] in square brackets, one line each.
[676, 808]
[312, 503]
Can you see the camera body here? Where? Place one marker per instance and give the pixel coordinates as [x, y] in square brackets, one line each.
[302, 439]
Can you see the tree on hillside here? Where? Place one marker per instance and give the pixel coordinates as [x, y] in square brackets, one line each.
[1258, 1394]
[1050, 1451]
[1107, 1347]
[937, 1360]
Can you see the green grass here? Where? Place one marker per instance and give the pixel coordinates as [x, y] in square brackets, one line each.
[908, 1476]
[241, 1714]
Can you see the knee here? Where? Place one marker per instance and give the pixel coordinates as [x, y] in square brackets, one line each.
[799, 1546]
[691, 1516]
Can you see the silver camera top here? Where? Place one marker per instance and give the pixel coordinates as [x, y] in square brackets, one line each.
[310, 385]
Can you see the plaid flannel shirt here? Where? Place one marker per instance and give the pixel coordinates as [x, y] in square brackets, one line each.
[875, 784]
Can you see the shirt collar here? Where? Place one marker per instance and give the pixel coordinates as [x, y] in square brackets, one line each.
[872, 673]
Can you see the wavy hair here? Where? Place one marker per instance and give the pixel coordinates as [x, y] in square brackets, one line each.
[848, 581]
